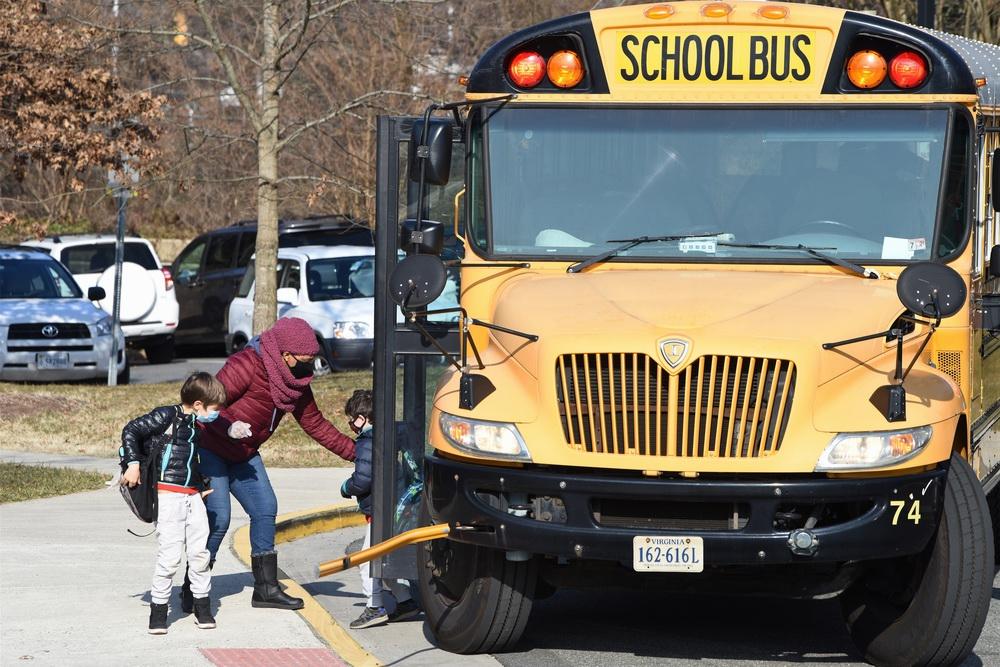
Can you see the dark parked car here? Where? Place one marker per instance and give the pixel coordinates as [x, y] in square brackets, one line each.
[208, 271]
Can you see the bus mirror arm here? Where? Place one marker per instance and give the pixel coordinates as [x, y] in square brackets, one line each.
[890, 399]
[472, 388]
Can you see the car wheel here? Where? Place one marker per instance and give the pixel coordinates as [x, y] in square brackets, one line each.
[930, 609]
[126, 375]
[322, 365]
[160, 352]
[238, 343]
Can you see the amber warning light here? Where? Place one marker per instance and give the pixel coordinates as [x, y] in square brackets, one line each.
[866, 69]
[564, 69]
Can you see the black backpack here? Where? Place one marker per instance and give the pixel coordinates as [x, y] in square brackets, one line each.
[141, 498]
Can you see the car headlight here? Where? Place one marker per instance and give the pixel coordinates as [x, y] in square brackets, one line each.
[859, 451]
[482, 437]
[351, 330]
[103, 327]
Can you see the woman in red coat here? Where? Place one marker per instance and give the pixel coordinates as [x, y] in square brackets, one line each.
[265, 381]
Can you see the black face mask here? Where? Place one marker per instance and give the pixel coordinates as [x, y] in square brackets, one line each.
[301, 370]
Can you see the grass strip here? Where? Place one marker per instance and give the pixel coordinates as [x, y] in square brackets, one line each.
[87, 419]
[23, 482]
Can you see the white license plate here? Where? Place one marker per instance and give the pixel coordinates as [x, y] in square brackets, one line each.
[52, 360]
[652, 553]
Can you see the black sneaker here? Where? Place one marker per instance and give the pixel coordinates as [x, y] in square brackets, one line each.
[370, 617]
[203, 613]
[404, 611]
[157, 619]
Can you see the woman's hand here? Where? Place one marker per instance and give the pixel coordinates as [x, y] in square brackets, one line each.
[130, 477]
[239, 430]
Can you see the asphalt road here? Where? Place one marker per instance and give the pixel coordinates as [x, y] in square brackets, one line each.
[609, 627]
[176, 371]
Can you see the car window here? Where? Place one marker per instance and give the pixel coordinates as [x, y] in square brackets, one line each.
[247, 242]
[188, 265]
[221, 252]
[247, 282]
[97, 257]
[36, 279]
[341, 278]
[346, 236]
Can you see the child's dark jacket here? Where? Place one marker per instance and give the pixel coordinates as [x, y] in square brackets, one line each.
[180, 456]
[359, 484]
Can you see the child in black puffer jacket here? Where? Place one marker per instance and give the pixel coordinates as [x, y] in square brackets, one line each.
[182, 522]
[360, 410]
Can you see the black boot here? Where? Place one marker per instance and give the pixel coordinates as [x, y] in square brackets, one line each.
[203, 613]
[187, 597]
[266, 591]
[157, 619]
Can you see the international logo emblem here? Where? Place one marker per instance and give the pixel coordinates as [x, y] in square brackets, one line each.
[674, 352]
[50, 331]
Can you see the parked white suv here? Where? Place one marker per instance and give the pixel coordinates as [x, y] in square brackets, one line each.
[149, 303]
[332, 288]
[48, 330]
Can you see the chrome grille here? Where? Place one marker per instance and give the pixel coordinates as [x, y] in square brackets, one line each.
[718, 406]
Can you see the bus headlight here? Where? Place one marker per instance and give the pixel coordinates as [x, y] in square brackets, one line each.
[482, 437]
[859, 451]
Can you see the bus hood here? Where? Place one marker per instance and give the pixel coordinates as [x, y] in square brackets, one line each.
[770, 313]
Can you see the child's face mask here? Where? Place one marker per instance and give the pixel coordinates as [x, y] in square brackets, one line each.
[206, 414]
[358, 423]
[209, 416]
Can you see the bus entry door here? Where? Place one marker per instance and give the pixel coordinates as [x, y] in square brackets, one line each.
[407, 364]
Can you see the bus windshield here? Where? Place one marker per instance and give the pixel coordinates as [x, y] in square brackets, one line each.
[856, 183]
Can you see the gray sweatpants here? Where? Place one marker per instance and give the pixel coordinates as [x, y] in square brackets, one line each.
[182, 521]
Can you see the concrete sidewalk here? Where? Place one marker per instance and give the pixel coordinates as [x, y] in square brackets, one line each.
[74, 585]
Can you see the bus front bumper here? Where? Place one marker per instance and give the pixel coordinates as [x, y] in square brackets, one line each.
[572, 514]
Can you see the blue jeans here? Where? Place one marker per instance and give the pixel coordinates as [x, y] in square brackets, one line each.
[249, 483]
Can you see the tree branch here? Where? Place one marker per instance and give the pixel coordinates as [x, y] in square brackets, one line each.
[353, 104]
[219, 49]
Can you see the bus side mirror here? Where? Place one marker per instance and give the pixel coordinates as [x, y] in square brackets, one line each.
[995, 259]
[435, 154]
[995, 180]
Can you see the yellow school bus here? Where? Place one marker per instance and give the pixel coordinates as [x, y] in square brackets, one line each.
[728, 320]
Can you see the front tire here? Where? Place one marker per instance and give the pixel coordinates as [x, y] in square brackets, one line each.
[930, 609]
[476, 600]
[161, 351]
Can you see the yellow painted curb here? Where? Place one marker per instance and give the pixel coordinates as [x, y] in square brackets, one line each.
[296, 525]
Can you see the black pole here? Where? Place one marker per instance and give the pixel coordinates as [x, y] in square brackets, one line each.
[925, 13]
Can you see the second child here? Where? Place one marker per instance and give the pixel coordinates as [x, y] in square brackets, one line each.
[360, 411]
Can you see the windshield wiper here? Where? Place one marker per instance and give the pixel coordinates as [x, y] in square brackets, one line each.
[843, 263]
[629, 244]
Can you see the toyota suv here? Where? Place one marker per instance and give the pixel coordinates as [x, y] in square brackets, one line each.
[48, 330]
[209, 270]
[148, 307]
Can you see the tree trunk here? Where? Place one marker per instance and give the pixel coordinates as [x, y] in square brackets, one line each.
[265, 304]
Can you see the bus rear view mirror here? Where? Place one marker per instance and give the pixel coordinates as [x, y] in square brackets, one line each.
[432, 151]
[995, 262]
[425, 236]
